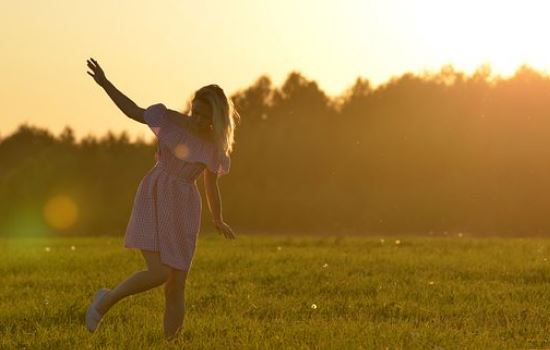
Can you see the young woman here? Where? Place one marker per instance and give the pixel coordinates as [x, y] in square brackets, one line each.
[165, 218]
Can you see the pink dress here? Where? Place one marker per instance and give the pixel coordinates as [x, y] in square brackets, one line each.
[166, 212]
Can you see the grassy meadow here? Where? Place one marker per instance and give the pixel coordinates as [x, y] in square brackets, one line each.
[287, 292]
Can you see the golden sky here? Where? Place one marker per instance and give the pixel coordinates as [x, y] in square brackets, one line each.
[161, 51]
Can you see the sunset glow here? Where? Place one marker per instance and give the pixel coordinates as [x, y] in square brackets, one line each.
[157, 53]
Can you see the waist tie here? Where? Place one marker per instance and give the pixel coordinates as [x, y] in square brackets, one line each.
[178, 176]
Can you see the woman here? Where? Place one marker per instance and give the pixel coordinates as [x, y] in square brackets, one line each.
[165, 218]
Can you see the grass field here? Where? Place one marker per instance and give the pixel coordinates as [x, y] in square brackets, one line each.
[287, 292]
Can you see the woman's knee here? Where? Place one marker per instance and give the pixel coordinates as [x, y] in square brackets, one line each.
[155, 267]
[161, 274]
[176, 281]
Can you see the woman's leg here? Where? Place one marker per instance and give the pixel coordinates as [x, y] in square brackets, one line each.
[174, 292]
[155, 275]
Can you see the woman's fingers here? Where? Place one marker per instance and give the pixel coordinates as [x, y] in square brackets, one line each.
[230, 233]
[93, 64]
[97, 65]
[225, 230]
[92, 67]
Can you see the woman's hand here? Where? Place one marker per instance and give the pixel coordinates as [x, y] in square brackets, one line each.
[99, 75]
[224, 229]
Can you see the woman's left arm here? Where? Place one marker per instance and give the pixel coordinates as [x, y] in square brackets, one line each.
[213, 199]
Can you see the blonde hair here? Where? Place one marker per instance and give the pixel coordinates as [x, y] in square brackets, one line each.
[224, 115]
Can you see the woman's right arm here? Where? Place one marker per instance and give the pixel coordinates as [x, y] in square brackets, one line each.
[127, 106]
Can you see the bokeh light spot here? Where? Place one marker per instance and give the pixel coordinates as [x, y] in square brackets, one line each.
[60, 212]
[181, 151]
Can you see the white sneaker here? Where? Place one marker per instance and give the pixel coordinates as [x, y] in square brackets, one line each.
[93, 318]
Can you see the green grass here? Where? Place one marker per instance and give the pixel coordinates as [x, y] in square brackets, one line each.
[256, 292]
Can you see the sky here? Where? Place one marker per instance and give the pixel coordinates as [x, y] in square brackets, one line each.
[162, 51]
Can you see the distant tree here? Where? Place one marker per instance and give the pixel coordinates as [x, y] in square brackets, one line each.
[435, 151]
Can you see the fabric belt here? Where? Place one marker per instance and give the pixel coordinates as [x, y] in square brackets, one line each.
[174, 174]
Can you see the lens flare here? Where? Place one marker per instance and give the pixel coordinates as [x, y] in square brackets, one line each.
[181, 151]
[60, 212]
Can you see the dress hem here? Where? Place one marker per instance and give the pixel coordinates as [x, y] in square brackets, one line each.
[165, 262]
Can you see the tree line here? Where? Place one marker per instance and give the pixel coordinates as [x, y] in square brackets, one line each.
[429, 152]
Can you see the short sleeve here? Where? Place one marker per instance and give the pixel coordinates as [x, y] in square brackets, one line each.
[153, 116]
[182, 143]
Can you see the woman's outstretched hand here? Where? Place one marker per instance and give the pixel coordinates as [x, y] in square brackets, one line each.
[99, 75]
[224, 229]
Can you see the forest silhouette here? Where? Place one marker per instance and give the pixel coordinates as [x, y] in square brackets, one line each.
[427, 153]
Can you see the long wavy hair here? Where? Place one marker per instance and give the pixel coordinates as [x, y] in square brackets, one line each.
[224, 115]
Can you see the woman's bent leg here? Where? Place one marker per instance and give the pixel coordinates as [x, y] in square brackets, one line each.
[174, 292]
[155, 275]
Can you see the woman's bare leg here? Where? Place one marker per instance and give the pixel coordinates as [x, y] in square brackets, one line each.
[174, 293]
[155, 275]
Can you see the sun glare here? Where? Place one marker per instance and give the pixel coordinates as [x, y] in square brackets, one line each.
[504, 34]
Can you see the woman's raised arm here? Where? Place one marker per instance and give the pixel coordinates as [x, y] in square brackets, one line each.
[127, 106]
